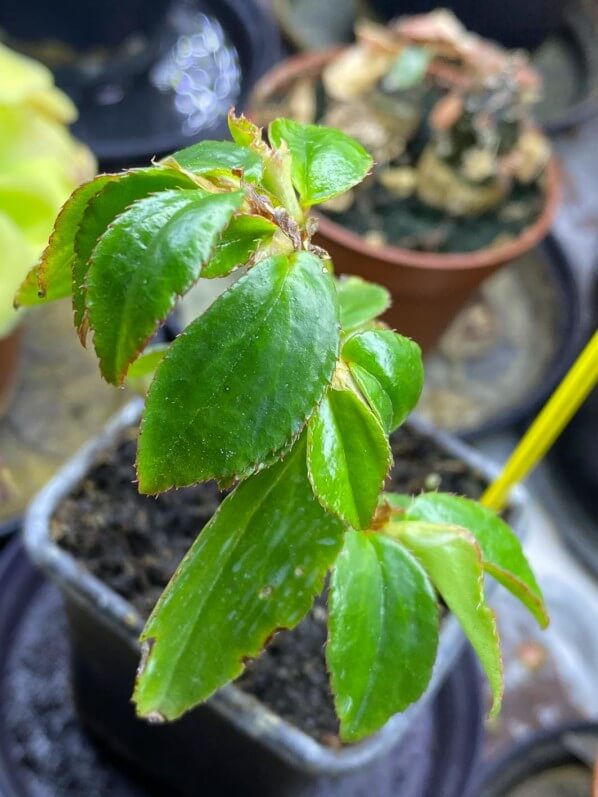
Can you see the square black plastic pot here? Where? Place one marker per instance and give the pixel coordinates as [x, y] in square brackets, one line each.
[233, 740]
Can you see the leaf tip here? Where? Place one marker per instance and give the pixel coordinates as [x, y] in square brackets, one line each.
[147, 706]
[542, 616]
[147, 644]
[496, 706]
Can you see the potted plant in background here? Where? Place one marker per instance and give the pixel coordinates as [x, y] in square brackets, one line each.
[40, 164]
[514, 23]
[284, 392]
[464, 182]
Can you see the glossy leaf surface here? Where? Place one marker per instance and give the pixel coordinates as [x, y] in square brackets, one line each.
[103, 208]
[395, 363]
[374, 393]
[208, 156]
[502, 554]
[348, 457]
[241, 381]
[452, 558]
[52, 277]
[325, 161]
[360, 301]
[241, 239]
[152, 253]
[383, 632]
[255, 568]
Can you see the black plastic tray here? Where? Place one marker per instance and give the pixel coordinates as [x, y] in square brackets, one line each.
[34, 676]
[502, 382]
[535, 755]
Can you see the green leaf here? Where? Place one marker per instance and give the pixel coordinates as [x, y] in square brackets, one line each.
[453, 560]
[408, 70]
[501, 550]
[102, 209]
[348, 457]
[360, 301]
[376, 396]
[383, 632]
[242, 379]
[246, 134]
[151, 254]
[394, 362]
[397, 501]
[326, 162]
[51, 278]
[209, 156]
[256, 567]
[141, 372]
[241, 239]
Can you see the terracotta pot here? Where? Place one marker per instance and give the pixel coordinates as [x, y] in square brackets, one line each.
[10, 355]
[428, 289]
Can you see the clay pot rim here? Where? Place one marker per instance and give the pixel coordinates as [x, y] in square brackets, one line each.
[489, 257]
[10, 362]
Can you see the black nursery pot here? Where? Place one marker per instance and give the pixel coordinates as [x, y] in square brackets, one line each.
[73, 29]
[233, 740]
[126, 66]
[513, 23]
[81, 23]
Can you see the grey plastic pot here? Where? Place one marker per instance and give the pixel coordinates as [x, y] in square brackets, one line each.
[232, 739]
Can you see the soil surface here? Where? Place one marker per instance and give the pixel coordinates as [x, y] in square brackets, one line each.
[133, 543]
[411, 224]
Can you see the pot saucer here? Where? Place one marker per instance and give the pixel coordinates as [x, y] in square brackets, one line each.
[552, 762]
[508, 349]
[568, 62]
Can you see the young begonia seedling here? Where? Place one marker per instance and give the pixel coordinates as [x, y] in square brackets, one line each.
[286, 388]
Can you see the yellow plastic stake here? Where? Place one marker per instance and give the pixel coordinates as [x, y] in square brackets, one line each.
[551, 421]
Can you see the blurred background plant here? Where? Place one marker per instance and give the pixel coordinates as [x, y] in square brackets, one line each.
[40, 165]
[449, 119]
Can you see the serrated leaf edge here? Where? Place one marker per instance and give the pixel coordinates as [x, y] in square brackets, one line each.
[177, 296]
[540, 614]
[356, 737]
[145, 636]
[274, 455]
[393, 530]
[310, 448]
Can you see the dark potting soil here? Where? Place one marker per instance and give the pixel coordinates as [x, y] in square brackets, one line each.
[133, 543]
[410, 223]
